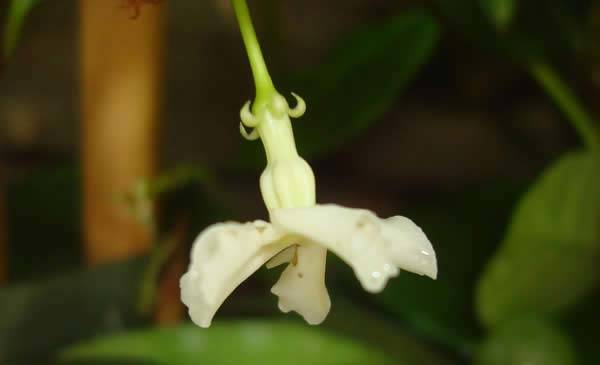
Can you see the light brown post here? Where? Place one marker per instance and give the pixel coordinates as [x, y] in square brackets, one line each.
[121, 67]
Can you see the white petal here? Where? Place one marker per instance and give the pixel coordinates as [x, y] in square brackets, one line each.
[409, 247]
[301, 287]
[373, 247]
[283, 257]
[223, 256]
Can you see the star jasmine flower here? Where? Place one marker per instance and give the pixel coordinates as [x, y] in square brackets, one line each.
[300, 232]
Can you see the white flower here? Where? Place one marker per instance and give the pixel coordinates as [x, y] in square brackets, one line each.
[225, 254]
[300, 233]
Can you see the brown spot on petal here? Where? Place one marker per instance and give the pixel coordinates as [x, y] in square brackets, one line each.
[363, 222]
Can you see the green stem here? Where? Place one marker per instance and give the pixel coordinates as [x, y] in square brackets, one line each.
[568, 103]
[262, 80]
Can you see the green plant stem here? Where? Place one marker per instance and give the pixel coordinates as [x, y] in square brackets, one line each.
[568, 103]
[262, 79]
[17, 12]
[149, 283]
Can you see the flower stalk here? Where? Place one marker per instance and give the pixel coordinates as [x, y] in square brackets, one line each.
[288, 180]
[265, 89]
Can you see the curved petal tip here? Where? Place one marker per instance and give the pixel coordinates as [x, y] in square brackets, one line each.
[409, 246]
[223, 256]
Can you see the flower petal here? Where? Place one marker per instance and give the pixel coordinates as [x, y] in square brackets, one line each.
[301, 287]
[409, 247]
[223, 256]
[375, 248]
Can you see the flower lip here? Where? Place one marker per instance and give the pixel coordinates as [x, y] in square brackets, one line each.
[225, 254]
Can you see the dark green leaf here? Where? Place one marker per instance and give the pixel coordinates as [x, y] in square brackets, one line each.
[549, 257]
[528, 341]
[357, 84]
[500, 12]
[37, 318]
[232, 343]
[367, 326]
[382, 332]
[106, 361]
[362, 79]
[541, 30]
[17, 13]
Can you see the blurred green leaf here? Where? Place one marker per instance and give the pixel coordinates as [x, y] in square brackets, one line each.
[500, 12]
[549, 257]
[528, 341]
[367, 326]
[108, 361]
[357, 84]
[381, 332]
[233, 343]
[541, 31]
[17, 13]
[38, 318]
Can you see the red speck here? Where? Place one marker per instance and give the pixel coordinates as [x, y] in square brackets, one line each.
[136, 6]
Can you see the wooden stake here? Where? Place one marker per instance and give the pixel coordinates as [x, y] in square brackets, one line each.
[121, 67]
